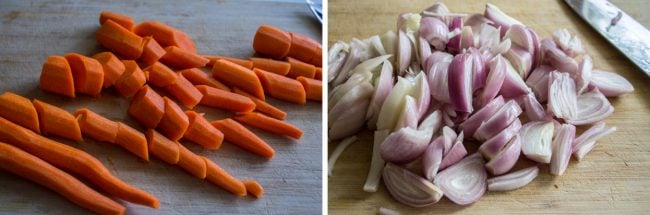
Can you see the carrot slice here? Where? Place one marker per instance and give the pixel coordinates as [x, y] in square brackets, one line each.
[132, 140]
[318, 75]
[213, 58]
[237, 76]
[238, 134]
[182, 59]
[34, 169]
[222, 99]
[112, 66]
[254, 188]
[165, 35]
[163, 148]
[120, 40]
[281, 87]
[269, 124]
[147, 107]
[174, 122]
[191, 162]
[302, 48]
[160, 75]
[317, 60]
[96, 126]
[274, 66]
[313, 88]
[198, 77]
[223, 179]
[272, 42]
[74, 161]
[131, 80]
[185, 92]
[299, 68]
[56, 76]
[121, 19]
[19, 110]
[202, 132]
[151, 51]
[262, 106]
[54, 120]
[87, 72]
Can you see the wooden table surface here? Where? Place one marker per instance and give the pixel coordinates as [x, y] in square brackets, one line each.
[32, 30]
[613, 179]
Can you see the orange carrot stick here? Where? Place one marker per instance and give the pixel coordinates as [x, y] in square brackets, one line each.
[87, 72]
[163, 148]
[272, 42]
[182, 59]
[254, 188]
[160, 75]
[262, 106]
[165, 35]
[73, 160]
[281, 87]
[151, 51]
[19, 110]
[274, 66]
[56, 76]
[121, 19]
[185, 92]
[213, 58]
[317, 60]
[34, 169]
[269, 124]
[174, 122]
[112, 66]
[191, 162]
[313, 88]
[147, 107]
[302, 48]
[120, 40]
[54, 120]
[96, 126]
[318, 75]
[237, 76]
[223, 179]
[299, 68]
[202, 132]
[198, 77]
[238, 134]
[132, 140]
[222, 99]
[131, 80]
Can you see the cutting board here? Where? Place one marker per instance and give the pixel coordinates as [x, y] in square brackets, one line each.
[32, 30]
[613, 179]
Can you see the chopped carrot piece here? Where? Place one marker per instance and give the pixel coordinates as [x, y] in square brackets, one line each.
[238, 134]
[198, 77]
[112, 66]
[202, 132]
[274, 66]
[132, 140]
[269, 124]
[160, 75]
[213, 58]
[96, 126]
[191, 162]
[174, 122]
[302, 48]
[56, 76]
[87, 72]
[182, 59]
[318, 75]
[281, 87]
[272, 42]
[299, 68]
[147, 107]
[317, 60]
[254, 188]
[262, 106]
[163, 148]
[131, 80]
[223, 179]
[222, 99]
[120, 40]
[237, 76]
[19, 110]
[185, 92]
[151, 51]
[121, 19]
[165, 35]
[313, 88]
[54, 120]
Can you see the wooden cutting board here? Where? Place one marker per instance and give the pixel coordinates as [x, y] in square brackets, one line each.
[613, 179]
[32, 30]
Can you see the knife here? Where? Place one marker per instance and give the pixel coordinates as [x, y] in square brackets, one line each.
[621, 30]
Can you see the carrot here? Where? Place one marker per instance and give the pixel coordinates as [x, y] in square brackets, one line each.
[222, 99]
[132, 140]
[56, 76]
[317, 60]
[120, 40]
[182, 59]
[87, 72]
[160, 75]
[269, 124]
[274, 66]
[96, 126]
[318, 74]
[262, 106]
[185, 92]
[254, 188]
[313, 88]
[238, 134]
[213, 58]
[302, 48]
[272, 42]
[163, 148]
[202, 132]
[299, 68]
[131, 80]
[151, 51]
[191, 162]
[34, 169]
[198, 77]
[73, 160]
[223, 179]
[19, 110]
[174, 122]
[281, 87]
[112, 66]
[121, 19]
[237, 76]
[165, 35]
[147, 107]
[54, 120]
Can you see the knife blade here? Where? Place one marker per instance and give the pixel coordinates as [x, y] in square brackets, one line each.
[626, 34]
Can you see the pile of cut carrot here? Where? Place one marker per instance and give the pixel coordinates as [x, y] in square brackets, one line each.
[171, 64]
